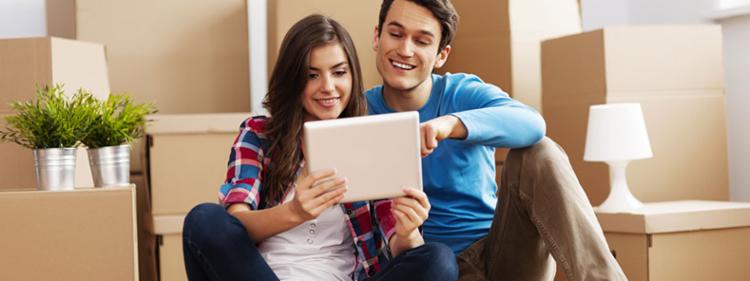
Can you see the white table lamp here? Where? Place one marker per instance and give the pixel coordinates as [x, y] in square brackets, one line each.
[617, 134]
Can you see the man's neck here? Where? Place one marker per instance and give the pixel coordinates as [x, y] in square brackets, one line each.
[407, 100]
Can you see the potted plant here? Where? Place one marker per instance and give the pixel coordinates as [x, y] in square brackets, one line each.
[117, 123]
[51, 126]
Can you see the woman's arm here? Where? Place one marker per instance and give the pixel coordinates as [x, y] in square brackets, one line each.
[314, 193]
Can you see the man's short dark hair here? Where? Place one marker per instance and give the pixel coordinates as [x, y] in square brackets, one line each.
[442, 10]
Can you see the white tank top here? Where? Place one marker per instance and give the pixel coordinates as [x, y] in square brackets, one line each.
[318, 249]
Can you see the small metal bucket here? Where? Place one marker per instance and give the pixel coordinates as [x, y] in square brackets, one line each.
[55, 168]
[110, 166]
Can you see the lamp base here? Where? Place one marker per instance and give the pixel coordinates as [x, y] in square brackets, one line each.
[620, 199]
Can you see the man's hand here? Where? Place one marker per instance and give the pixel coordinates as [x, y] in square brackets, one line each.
[438, 129]
[315, 192]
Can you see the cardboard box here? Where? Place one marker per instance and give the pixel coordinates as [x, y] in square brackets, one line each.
[69, 235]
[187, 159]
[171, 260]
[358, 17]
[673, 240]
[194, 62]
[27, 62]
[675, 73]
[499, 41]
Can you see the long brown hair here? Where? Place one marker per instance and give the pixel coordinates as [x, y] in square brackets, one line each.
[284, 98]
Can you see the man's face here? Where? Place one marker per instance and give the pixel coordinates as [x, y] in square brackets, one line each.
[407, 46]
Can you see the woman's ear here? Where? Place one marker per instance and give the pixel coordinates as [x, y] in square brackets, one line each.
[442, 56]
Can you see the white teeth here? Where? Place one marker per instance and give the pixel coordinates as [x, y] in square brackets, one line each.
[328, 101]
[402, 65]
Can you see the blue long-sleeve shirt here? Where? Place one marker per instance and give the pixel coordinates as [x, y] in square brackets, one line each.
[459, 175]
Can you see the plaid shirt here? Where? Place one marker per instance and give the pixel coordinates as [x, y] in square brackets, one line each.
[371, 223]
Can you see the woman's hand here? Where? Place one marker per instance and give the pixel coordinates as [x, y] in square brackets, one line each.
[411, 211]
[315, 192]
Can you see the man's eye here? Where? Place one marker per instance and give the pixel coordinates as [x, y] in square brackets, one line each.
[397, 35]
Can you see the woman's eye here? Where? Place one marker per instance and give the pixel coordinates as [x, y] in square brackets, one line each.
[339, 73]
[312, 76]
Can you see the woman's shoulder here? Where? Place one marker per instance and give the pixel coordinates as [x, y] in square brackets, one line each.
[255, 124]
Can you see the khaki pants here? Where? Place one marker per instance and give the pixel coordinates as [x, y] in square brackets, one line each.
[542, 211]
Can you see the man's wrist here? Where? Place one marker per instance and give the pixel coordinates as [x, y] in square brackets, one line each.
[458, 129]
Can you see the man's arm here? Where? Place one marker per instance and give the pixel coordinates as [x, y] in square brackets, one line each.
[483, 114]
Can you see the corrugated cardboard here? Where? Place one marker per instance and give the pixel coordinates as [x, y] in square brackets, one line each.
[499, 41]
[673, 240]
[69, 235]
[674, 72]
[187, 159]
[27, 62]
[358, 17]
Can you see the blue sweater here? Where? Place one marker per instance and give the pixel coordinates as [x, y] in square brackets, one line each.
[459, 176]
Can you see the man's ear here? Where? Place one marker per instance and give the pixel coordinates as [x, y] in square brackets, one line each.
[375, 39]
[442, 56]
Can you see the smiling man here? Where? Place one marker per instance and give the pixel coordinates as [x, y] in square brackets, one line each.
[541, 209]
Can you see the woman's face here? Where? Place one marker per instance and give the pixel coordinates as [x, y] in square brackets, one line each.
[329, 83]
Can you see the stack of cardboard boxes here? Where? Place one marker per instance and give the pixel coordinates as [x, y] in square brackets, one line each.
[676, 74]
[187, 162]
[187, 58]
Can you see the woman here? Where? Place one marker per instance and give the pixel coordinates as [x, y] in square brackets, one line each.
[294, 215]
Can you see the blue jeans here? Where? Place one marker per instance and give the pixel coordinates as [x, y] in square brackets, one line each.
[216, 246]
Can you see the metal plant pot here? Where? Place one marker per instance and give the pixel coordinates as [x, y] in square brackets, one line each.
[55, 168]
[110, 166]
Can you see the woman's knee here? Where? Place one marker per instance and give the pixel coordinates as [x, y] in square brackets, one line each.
[206, 221]
[440, 262]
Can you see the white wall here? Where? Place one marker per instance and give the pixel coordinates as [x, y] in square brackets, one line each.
[22, 18]
[737, 65]
[736, 32]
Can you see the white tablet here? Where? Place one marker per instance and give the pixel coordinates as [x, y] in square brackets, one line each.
[378, 154]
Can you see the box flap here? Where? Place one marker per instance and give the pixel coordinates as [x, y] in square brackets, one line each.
[195, 123]
[677, 216]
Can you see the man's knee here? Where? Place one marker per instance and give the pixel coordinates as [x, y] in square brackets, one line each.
[545, 151]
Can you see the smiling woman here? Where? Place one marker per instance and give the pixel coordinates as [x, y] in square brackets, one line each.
[284, 222]
[329, 83]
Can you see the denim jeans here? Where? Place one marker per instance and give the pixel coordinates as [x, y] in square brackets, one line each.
[542, 210]
[217, 247]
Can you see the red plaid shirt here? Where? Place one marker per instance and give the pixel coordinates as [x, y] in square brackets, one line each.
[371, 223]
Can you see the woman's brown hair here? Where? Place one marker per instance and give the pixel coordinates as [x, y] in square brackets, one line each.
[284, 98]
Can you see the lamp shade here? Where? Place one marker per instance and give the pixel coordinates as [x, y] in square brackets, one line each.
[616, 132]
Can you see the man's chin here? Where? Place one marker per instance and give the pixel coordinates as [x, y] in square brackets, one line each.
[399, 85]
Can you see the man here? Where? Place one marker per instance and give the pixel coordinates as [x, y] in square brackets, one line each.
[542, 208]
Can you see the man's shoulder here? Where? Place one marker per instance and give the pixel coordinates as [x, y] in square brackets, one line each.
[454, 83]
[374, 91]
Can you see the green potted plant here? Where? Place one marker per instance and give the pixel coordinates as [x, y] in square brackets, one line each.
[51, 126]
[117, 123]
